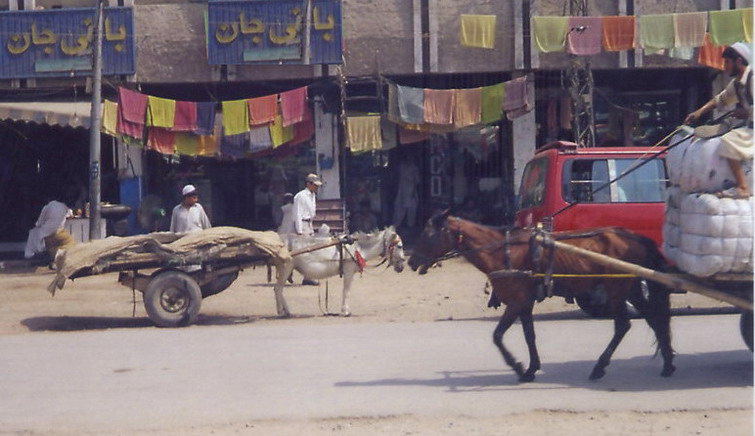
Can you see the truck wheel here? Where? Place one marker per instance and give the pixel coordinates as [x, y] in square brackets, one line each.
[172, 299]
[745, 327]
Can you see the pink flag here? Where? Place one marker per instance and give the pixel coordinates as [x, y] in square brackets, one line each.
[292, 105]
[186, 116]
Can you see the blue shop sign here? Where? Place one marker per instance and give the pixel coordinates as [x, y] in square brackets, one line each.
[265, 31]
[60, 43]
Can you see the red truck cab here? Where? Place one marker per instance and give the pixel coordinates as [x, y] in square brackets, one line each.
[561, 173]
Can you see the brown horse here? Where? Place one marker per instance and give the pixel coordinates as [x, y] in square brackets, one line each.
[516, 251]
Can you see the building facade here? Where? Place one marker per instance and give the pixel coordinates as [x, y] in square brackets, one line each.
[349, 55]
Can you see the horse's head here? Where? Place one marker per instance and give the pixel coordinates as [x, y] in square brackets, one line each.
[394, 249]
[434, 242]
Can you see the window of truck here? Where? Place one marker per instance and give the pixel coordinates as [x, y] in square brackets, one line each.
[532, 191]
[583, 178]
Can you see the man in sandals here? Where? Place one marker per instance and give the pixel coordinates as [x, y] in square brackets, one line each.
[736, 144]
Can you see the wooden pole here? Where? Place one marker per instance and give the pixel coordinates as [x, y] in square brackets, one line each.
[671, 280]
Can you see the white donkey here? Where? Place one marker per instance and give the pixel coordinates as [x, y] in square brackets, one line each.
[348, 260]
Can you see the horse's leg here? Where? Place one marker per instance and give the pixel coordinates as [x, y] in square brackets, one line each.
[657, 313]
[508, 317]
[621, 325]
[348, 278]
[282, 272]
[528, 327]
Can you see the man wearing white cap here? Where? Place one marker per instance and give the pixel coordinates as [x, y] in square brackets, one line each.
[305, 205]
[189, 216]
[736, 144]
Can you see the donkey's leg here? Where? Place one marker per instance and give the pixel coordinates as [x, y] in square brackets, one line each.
[348, 277]
[621, 325]
[282, 272]
[508, 317]
[528, 327]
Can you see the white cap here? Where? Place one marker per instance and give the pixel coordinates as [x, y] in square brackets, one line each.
[743, 50]
[188, 190]
[313, 178]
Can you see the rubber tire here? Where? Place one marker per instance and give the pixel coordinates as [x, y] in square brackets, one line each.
[172, 299]
[745, 327]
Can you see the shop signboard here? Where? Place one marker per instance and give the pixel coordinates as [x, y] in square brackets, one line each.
[273, 31]
[60, 42]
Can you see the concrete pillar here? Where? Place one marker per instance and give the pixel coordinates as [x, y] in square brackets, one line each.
[327, 149]
[523, 134]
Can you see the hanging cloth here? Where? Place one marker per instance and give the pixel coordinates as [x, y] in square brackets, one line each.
[411, 104]
[262, 110]
[491, 103]
[207, 145]
[280, 134]
[467, 110]
[161, 140]
[439, 106]
[110, 118]
[187, 144]
[711, 54]
[394, 114]
[161, 112]
[259, 139]
[234, 146]
[304, 130]
[205, 118]
[550, 33]
[292, 105]
[726, 27]
[656, 32]
[389, 134]
[409, 136]
[132, 112]
[235, 117]
[516, 102]
[588, 41]
[186, 117]
[689, 29]
[747, 24]
[619, 33]
[478, 30]
[363, 133]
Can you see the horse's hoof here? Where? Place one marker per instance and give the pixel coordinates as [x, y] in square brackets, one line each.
[668, 371]
[346, 314]
[519, 369]
[527, 377]
[597, 374]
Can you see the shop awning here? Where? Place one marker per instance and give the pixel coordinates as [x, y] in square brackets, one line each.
[74, 114]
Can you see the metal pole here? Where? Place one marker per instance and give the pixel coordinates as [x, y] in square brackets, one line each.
[95, 221]
[307, 53]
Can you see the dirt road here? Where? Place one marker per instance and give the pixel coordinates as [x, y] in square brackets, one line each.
[455, 291]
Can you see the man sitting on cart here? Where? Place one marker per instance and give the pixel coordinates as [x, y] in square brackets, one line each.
[736, 144]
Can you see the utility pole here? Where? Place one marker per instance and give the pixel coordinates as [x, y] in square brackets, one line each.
[580, 84]
[95, 171]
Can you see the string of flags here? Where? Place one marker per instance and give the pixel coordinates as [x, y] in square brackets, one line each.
[418, 112]
[244, 127]
[677, 34]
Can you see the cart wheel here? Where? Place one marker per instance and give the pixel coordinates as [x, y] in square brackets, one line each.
[172, 299]
[745, 326]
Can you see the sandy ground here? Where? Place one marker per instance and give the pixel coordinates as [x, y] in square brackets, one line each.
[455, 291]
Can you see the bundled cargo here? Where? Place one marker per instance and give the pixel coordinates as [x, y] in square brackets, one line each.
[704, 234]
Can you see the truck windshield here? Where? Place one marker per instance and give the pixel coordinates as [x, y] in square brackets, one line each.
[583, 179]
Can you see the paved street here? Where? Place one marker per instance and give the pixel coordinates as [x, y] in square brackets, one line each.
[144, 378]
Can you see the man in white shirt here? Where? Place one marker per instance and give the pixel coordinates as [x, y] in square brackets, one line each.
[305, 205]
[736, 144]
[189, 216]
[49, 231]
